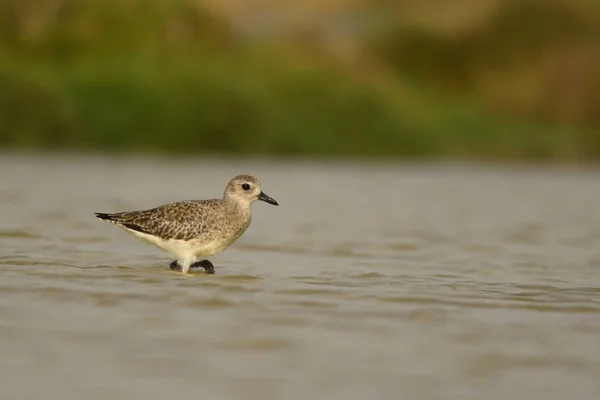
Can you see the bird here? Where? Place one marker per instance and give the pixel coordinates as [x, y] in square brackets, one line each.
[190, 229]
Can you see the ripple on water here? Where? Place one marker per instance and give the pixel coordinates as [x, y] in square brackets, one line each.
[102, 266]
[492, 363]
[400, 246]
[342, 252]
[19, 234]
[13, 258]
[546, 288]
[210, 303]
[308, 303]
[25, 261]
[495, 303]
[427, 316]
[308, 292]
[284, 320]
[254, 344]
[369, 275]
[240, 278]
[87, 239]
[232, 283]
[238, 288]
[272, 248]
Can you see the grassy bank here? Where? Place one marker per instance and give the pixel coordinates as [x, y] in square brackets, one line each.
[171, 77]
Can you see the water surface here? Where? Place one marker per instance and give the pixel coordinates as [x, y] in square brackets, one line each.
[368, 282]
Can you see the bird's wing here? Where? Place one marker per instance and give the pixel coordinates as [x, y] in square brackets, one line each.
[183, 220]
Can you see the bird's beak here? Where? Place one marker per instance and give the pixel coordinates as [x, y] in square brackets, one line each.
[267, 199]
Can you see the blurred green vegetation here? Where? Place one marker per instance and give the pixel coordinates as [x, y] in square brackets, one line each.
[522, 81]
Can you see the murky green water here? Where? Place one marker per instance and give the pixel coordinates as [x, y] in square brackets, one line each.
[368, 282]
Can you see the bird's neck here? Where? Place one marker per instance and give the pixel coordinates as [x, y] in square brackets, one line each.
[237, 206]
[240, 213]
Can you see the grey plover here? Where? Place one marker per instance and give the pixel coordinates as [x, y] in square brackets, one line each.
[191, 229]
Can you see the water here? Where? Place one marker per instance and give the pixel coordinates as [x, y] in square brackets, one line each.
[368, 282]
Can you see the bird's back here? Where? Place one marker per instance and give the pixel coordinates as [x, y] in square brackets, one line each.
[184, 220]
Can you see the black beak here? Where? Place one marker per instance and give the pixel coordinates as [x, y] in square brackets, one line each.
[267, 199]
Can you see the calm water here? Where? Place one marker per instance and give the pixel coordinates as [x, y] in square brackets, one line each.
[368, 282]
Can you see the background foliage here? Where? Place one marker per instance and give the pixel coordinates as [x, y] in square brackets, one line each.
[472, 79]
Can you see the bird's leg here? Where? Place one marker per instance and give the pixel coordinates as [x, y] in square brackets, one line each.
[195, 267]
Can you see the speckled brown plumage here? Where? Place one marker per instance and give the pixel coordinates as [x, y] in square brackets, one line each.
[185, 220]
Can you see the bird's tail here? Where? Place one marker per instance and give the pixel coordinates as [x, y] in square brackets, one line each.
[112, 218]
[104, 216]
[121, 219]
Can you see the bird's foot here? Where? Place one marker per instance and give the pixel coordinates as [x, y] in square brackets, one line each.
[196, 267]
[207, 265]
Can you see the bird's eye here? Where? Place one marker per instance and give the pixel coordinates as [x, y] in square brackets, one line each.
[245, 186]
